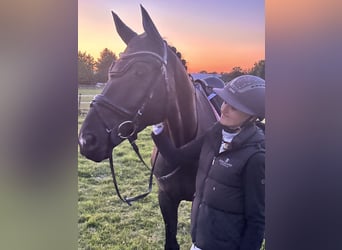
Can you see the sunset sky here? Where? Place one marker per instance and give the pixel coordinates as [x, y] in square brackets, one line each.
[211, 35]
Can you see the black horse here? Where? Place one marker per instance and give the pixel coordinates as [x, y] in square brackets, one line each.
[149, 84]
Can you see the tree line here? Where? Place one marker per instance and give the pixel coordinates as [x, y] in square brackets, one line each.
[258, 69]
[91, 71]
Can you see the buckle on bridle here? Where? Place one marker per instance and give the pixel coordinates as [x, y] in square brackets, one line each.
[126, 129]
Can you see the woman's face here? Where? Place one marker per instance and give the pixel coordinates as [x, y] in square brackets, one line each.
[232, 117]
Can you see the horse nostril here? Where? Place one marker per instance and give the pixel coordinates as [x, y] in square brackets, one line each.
[87, 140]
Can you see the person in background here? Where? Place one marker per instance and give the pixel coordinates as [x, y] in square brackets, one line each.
[228, 209]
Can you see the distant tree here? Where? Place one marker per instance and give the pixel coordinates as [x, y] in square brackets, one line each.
[258, 69]
[103, 63]
[86, 65]
[225, 76]
[236, 71]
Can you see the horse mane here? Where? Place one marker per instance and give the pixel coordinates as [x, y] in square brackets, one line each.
[179, 55]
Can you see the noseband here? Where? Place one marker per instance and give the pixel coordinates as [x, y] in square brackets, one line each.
[128, 128]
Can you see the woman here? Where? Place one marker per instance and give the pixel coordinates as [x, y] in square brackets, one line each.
[229, 202]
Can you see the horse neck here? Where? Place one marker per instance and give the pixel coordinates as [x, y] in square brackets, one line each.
[182, 114]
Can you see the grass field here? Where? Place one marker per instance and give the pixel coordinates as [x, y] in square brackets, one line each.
[104, 221]
[89, 90]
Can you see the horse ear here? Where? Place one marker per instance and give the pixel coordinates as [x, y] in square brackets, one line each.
[123, 30]
[149, 26]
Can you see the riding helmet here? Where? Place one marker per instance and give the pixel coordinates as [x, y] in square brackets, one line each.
[245, 93]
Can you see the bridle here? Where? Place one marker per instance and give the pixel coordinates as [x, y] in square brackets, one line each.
[127, 129]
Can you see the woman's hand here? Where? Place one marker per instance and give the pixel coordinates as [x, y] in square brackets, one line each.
[157, 128]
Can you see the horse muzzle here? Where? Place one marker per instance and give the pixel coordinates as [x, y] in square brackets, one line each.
[91, 148]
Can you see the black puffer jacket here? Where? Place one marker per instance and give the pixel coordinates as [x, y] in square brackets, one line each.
[229, 203]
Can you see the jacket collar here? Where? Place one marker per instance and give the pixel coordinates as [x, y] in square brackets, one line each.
[250, 135]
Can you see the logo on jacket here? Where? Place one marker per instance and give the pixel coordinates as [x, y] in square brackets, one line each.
[225, 163]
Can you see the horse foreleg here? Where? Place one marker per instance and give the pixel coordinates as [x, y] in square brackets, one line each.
[169, 210]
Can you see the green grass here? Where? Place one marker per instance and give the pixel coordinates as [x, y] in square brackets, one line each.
[89, 90]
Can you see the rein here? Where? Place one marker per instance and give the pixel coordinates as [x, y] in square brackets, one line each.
[138, 197]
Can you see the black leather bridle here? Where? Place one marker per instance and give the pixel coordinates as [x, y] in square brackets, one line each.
[127, 129]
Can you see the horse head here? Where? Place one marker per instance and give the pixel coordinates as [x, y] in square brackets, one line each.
[137, 94]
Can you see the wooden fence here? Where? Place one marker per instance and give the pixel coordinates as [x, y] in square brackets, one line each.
[84, 103]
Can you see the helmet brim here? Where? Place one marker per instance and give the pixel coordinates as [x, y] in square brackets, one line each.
[232, 100]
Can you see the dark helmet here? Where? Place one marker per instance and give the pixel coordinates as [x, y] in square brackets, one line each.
[245, 93]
